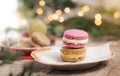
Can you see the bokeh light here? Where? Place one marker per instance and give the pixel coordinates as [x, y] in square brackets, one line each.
[80, 13]
[39, 11]
[85, 8]
[98, 16]
[50, 18]
[42, 2]
[98, 22]
[116, 15]
[55, 16]
[58, 12]
[67, 10]
[61, 19]
[23, 22]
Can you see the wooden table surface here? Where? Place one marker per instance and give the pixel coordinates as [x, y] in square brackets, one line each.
[32, 68]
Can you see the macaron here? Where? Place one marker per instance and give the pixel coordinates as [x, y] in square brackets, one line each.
[75, 38]
[39, 39]
[72, 55]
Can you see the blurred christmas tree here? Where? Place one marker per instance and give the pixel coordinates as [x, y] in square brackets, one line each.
[33, 8]
[65, 14]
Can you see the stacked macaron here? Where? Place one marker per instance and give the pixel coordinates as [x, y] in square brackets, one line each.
[74, 41]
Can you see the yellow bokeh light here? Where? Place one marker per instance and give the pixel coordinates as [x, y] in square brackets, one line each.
[55, 16]
[98, 22]
[116, 15]
[42, 2]
[23, 22]
[98, 16]
[39, 11]
[67, 10]
[50, 18]
[58, 12]
[80, 13]
[61, 19]
[47, 21]
[85, 8]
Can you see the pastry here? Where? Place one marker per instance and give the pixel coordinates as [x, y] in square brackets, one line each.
[72, 54]
[36, 25]
[74, 41]
[24, 42]
[75, 38]
[39, 39]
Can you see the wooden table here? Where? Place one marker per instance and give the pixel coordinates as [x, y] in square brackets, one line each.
[32, 68]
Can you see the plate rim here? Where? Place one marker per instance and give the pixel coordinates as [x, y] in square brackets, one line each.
[113, 53]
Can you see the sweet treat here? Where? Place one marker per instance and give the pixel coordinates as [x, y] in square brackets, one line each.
[75, 38]
[23, 43]
[37, 25]
[72, 54]
[74, 41]
[39, 39]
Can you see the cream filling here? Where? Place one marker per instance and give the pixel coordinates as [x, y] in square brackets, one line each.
[75, 41]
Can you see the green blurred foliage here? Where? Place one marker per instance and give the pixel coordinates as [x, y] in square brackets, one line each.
[7, 56]
[60, 4]
[28, 7]
[106, 28]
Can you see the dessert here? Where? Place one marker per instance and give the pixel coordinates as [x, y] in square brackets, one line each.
[37, 25]
[39, 39]
[23, 43]
[72, 55]
[75, 38]
[74, 41]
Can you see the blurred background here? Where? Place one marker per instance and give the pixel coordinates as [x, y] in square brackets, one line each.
[19, 19]
[101, 18]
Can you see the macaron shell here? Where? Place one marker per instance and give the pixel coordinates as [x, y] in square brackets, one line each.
[33, 43]
[72, 55]
[41, 39]
[75, 34]
[67, 50]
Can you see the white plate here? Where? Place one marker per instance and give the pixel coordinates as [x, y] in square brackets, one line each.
[93, 56]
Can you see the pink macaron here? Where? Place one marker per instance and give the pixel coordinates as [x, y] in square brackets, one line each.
[75, 38]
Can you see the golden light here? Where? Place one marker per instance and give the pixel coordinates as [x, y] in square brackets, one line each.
[23, 22]
[61, 19]
[98, 16]
[42, 2]
[85, 8]
[67, 10]
[116, 15]
[98, 22]
[39, 11]
[58, 12]
[50, 18]
[80, 13]
[47, 21]
[55, 16]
